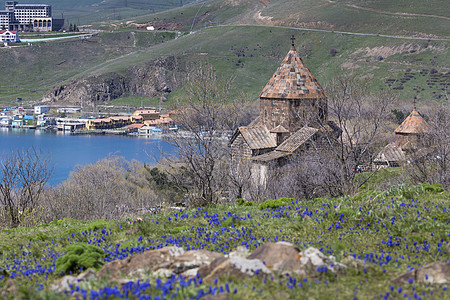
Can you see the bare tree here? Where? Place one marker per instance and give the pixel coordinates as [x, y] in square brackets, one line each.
[206, 120]
[23, 176]
[104, 190]
[359, 117]
[345, 142]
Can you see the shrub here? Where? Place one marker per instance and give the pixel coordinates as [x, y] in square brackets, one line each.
[79, 256]
[432, 188]
[272, 203]
[96, 225]
[66, 222]
[333, 52]
[242, 202]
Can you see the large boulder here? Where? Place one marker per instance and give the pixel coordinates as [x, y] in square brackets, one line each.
[187, 264]
[280, 256]
[285, 257]
[437, 272]
[235, 266]
[163, 262]
[64, 283]
[137, 264]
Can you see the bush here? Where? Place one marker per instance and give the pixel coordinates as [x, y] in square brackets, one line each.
[272, 203]
[241, 202]
[432, 188]
[96, 225]
[80, 256]
[333, 52]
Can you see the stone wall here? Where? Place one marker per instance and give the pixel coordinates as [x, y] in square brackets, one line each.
[240, 149]
[292, 114]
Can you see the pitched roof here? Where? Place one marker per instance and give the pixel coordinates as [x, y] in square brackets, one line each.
[292, 80]
[272, 155]
[413, 124]
[258, 137]
[390, 153]
[297, 139]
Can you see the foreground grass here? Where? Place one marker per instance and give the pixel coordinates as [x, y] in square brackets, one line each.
[391, 232]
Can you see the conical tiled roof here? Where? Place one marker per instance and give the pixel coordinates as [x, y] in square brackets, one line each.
[292, 81]
[413, 124]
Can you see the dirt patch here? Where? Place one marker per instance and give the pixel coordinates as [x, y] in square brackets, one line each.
[350, 65]
[386, 51]
[259, 17]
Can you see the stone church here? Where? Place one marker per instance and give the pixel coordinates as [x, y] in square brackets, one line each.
[293, 111]
[406, 136]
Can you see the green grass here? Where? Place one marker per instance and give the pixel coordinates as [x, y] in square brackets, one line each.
[137, 101]
[390, 232]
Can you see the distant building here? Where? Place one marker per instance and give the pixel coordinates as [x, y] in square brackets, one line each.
[41, 109]
[147, 114]
[32, 17]
[406, 135]
[7, 36]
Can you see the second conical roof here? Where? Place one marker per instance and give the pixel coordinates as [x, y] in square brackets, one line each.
[413, 124]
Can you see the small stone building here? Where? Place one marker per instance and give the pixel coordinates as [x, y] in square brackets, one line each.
[406, 135]
[292, 106]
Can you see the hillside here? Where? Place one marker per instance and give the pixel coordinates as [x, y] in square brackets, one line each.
[414, 67]
[408, 18]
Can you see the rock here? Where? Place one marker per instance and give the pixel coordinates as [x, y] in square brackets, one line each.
[192, 260]
[163, 262]
[86, 276]
[279, 256]
[152, 79]
[352, 262]
[64, 283]
[285, 257]
[9, 288]
[312, 258]
[139, 263]
[235, 266]
[240, 251]
[437, 272]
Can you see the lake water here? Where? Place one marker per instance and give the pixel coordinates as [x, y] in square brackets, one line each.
[67, 151]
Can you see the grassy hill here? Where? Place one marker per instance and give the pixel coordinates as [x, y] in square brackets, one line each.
[252, 53]
[409, 18]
